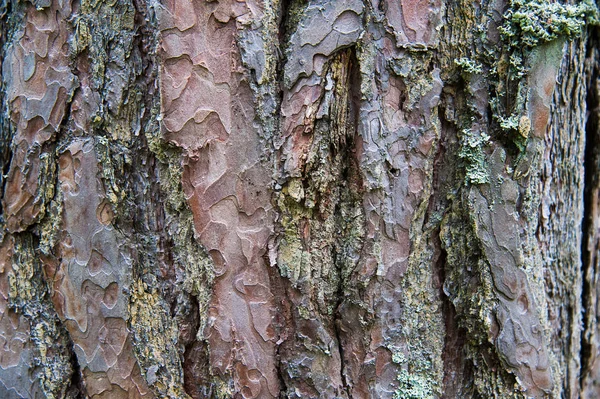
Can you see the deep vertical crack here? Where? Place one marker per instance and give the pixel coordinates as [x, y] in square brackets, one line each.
[6, 130]
[273, 271]
[283, 35]
[338, 337]
[350, 175]
[76, 388]
[589, 238]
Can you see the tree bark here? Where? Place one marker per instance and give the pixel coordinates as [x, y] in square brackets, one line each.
[299, 199]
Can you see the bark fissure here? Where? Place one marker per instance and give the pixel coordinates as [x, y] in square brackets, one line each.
[6, 129]
[76, 388]
[455, 377]
[338, 337]
[590, 238]
[30, 296]
[455, 373]
[172, 269]
[321, 238]
[283, 321]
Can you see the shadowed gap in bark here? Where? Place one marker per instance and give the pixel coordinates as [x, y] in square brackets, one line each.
[350, 179]
[457, 370]
[589, 260]
[77, 388]
[5, 127]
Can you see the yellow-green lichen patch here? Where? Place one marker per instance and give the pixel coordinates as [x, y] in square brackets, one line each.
[109, 62]
[49, 227]
[158, 356]
[321, 231]
[28, 295]
[469, 286]
[110, 161]
[422, 324]
[97, 23]
[473, 155]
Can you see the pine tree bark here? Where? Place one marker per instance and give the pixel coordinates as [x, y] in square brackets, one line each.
[299, 199]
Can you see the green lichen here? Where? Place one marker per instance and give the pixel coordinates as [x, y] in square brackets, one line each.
[509, 123]
[531, 23]
[472, 153]
[415, 77]
[528, 25]
[469, 66]
[414, 383]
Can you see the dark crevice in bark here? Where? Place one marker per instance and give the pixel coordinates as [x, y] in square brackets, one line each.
[338, 332]
[195, 356]
[77, 387]
[283, 33]
[589, 248]
[6, 128]
[315, 294]
[6, 155]
[283, 21]
[283, 321]
[438, 199]
[350, 178]
[282, 384]
[453, 342]
[278, 285]
[63, 134]
[145, 214]
[456, 373]
[456, 370]
[157, 261]
[195, 360]
[468, 357]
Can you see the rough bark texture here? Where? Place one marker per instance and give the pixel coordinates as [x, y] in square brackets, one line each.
[299, 199]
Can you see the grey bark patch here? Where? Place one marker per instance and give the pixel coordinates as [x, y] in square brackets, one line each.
[324, 28]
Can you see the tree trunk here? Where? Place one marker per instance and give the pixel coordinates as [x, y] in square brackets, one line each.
[299, 199]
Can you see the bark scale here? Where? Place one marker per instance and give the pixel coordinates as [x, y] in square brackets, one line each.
[289, 198]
